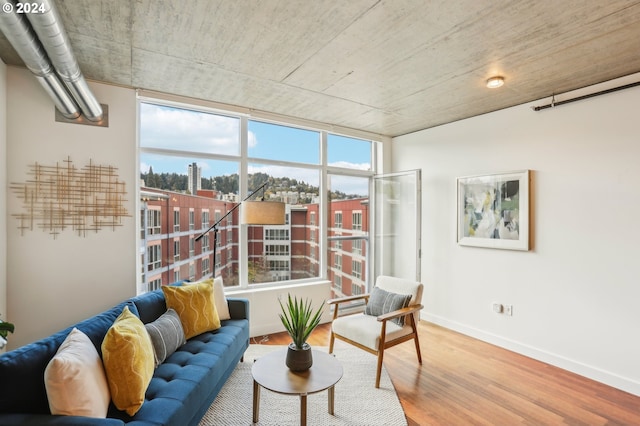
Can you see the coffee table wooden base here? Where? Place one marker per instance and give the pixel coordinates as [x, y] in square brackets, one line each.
[270, 372]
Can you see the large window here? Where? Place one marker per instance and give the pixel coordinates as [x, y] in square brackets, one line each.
[202, 163]
[349, 208]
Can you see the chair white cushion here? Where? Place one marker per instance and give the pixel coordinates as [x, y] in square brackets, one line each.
[365, 329]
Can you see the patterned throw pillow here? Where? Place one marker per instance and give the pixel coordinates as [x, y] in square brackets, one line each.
[127, 354]
[195, 305]
[166, 335]
[383, 302]
[75, 381]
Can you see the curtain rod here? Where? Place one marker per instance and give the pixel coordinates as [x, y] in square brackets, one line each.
[579, 98]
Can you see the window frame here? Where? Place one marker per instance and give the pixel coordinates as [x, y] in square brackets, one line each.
[321, 220]
[176, 250]
[356, 220]
[176, 220]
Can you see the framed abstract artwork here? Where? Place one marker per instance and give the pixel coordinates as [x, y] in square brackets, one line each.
[493, 210]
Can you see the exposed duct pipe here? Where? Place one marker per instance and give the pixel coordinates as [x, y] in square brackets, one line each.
[579, 98]
[17, 30]
[52, 36]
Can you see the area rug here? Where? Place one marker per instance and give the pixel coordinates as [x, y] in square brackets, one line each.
[357, 401]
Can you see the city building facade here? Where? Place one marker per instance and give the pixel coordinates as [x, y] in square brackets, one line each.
[171, 223]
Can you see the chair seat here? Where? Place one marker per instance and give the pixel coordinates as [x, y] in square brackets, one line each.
[365, 329]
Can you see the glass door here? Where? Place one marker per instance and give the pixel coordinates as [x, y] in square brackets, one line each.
[397, 225]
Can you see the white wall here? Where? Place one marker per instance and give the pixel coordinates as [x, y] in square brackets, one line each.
[264, 307]
[575, 294]
[52, 283]
[3, 191]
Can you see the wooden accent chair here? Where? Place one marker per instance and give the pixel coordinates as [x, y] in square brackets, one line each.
[391, 313]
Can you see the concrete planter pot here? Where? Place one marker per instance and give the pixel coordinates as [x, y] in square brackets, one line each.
[299, 359]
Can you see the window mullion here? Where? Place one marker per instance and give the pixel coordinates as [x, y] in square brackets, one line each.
[243, 185]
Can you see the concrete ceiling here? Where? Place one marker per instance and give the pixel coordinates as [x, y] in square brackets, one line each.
[385, 66]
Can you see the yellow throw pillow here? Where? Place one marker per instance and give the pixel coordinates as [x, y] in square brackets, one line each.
[127, 354]
[195, 305]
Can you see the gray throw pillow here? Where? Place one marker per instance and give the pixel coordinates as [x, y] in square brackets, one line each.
[382, 302]
[166, 334]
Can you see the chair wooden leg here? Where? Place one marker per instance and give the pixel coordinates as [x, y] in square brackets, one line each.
[415, 338]
[383, 334]
[379, 370]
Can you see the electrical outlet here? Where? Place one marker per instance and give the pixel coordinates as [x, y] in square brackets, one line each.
[497, 308]
[508, 310]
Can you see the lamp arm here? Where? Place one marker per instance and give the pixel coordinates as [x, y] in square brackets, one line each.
[214, 226]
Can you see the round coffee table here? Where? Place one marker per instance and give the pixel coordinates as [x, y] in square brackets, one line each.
[270, 372]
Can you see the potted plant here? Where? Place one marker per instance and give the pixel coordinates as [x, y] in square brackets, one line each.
[299, 320]
[5, 329]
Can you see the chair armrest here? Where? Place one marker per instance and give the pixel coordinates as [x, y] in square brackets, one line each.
[347, 299]
[399, 313]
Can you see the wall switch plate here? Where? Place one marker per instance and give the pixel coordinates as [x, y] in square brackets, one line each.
[508, 310]
[497, 308]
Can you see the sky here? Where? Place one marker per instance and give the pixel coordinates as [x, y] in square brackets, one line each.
[194, 132]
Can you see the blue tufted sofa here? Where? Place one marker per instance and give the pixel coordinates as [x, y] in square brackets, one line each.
[180, 392]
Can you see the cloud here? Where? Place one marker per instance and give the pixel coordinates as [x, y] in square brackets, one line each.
[348, 165]
[171, 128]
[350, 185]
[252, 139]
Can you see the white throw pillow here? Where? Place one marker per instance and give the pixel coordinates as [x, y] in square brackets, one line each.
[221, 301]
[75, 380]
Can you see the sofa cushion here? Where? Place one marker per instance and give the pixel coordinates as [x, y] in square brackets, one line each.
[222, 307]
[180, 392]
[75, 380]
[22, 388]
[150, 305]
[127, 354]
[195, 305]
[166, 334]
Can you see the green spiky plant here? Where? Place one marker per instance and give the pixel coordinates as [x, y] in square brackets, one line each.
[5, 329]
[299, 319]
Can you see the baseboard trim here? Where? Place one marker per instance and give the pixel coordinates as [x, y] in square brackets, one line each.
[594, 373]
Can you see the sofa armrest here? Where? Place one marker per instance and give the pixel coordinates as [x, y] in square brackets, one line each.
[238, 307]
[46, 419]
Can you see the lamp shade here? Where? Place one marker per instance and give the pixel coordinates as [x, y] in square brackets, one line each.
[262, 213]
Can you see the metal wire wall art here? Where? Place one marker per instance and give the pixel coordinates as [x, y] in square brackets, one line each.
[61, 197]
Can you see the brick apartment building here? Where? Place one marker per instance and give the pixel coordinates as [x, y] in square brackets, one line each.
[171, 222]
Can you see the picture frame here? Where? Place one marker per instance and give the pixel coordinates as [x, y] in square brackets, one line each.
[493, 210]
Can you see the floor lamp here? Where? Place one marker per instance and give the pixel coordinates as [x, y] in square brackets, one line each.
[253, 213]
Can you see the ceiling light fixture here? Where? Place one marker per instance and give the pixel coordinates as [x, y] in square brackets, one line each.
[495, 82]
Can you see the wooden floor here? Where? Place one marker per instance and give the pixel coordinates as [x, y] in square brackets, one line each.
[464, 381]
